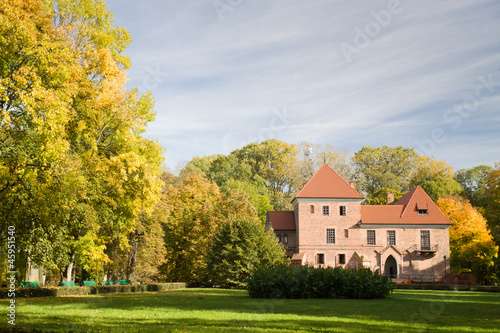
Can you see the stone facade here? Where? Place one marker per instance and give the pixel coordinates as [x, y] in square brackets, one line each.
[408, 238]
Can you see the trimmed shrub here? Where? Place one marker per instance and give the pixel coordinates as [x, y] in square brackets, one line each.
[80, 291]
[310, 282]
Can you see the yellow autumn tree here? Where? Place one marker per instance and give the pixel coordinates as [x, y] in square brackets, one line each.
[75, 170]
[471, 244]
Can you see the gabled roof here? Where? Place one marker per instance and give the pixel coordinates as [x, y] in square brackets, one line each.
[326, 183]
[405, 211]
[281, 220]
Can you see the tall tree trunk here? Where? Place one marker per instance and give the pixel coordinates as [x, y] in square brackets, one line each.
[69, 269]
[132, 255]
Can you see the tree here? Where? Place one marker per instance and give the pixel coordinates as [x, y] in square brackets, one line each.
[427, 169]
[384, 167]
[38, 174]
[312, 156]
[473, 182]
[441, 187]
[492, 206]
[274, 161]
[471, 245]
[380, 196]
[191, 211]
[74, 169]
[257, 193]
[239, 246]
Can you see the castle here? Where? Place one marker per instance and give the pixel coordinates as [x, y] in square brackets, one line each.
[330, 227]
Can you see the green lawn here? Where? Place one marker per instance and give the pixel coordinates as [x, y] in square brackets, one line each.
[188, 310]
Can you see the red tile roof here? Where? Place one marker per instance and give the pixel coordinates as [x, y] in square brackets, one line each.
[326, 183]
[405, 211]
[281, 220]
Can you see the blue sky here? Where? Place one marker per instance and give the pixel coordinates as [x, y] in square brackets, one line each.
[224, 73]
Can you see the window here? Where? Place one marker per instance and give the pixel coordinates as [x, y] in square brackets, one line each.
[279, 238]
[321, 258]
[285, 239]
[425, 240]
[346, 233]
[342, 211]
[342, 259]
[370, 236]
[330, 236]
[423, 212]
[391, 237]
[311, 209]
[326, 210]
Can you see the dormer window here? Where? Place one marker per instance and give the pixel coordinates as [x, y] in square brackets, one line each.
[422, 209]
[423, 212]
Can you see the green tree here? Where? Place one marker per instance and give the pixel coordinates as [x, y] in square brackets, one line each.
[238, 247]
[191, 221]
[274, 161]
[441, 187]
[473, 182]
[384, 167]
[380, 196]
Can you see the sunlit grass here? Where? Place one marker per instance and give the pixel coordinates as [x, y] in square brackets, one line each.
[213, 310]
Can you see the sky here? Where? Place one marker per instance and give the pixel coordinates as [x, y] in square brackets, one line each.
[225, 73]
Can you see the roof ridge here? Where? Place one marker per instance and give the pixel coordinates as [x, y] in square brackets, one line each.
[316, 184]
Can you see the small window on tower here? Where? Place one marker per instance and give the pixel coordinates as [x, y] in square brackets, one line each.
[326, 210]
[311, 209]
[279, 238]
[342, 211]
[346, 233]
[285, 239]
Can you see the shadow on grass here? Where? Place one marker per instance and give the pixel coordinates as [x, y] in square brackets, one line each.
[232, 310]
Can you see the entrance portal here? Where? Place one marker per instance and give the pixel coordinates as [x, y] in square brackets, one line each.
[391, 267]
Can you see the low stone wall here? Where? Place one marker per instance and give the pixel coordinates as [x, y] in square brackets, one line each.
[80, 291]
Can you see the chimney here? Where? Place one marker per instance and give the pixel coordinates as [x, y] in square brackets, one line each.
[390, 198]
[352, 185]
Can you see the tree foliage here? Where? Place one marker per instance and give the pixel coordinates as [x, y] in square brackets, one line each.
[471, 244]
[239, 247]
[275, 162]
[74, 169]
[473, 182]
[380, 196]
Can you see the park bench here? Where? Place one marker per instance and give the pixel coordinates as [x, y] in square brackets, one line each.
[29, 284]
[89, 283]
[67, 284]
[109, 282]
[124, 282]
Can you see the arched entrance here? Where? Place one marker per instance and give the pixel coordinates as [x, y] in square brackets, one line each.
[391, 267]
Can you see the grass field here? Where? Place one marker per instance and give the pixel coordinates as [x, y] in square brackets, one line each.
[212, 310]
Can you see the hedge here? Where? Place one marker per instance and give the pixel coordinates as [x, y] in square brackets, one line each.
[495, 289]
[80, 291]
[309, 282]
